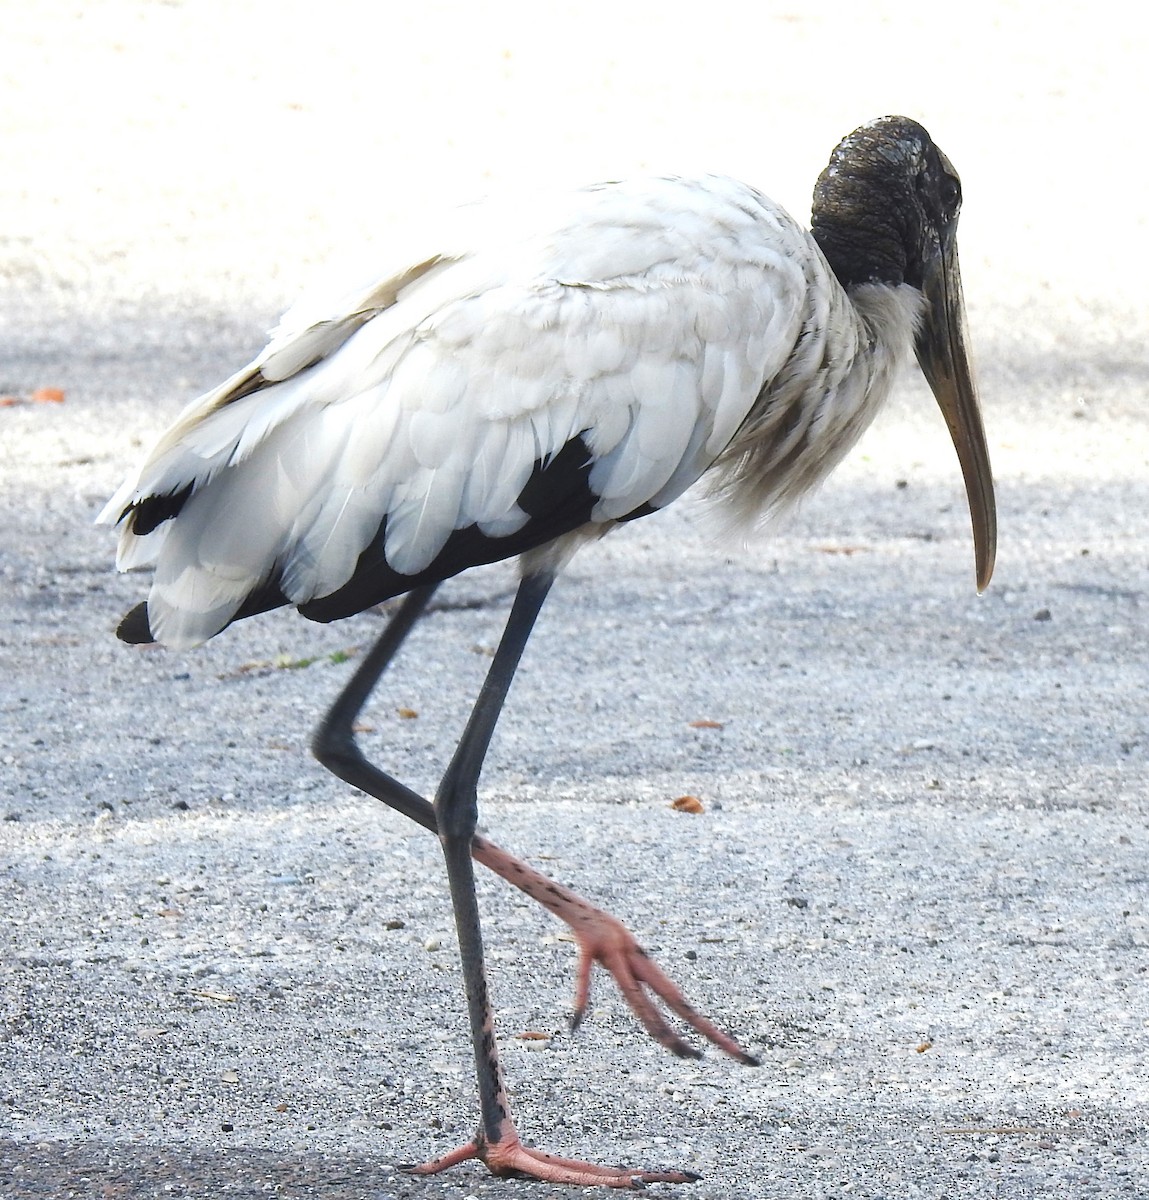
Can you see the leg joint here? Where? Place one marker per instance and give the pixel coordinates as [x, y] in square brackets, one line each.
[456, 811]
[336, 749]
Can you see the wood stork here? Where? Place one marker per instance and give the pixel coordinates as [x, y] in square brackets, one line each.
[525, 382]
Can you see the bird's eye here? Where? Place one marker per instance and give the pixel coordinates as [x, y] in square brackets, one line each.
[938, 190]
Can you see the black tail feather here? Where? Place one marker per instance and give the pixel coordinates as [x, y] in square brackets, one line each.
[134, 628]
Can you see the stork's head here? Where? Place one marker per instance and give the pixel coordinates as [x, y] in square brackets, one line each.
[885, 211]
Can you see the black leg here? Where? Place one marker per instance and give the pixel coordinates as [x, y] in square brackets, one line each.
[334, 743]
[600, 936]
[455, 811]
[456, 808]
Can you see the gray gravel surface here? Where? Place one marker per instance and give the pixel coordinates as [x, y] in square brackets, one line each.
[918, 888]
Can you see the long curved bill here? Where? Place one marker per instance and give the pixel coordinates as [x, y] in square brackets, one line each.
[942, 355]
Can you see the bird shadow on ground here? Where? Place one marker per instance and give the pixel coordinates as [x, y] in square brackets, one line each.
[68, 1170]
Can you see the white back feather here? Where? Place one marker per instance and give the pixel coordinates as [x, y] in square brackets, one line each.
[646, 317]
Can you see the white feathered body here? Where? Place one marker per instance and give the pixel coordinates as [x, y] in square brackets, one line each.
[665, 326]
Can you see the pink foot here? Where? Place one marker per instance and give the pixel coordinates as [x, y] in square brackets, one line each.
[603, 939]
[508, 1156]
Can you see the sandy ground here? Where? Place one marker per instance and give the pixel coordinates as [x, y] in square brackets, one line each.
[918, 889]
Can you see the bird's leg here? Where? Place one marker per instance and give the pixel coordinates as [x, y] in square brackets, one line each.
[456, 810]
[456, 815]
[334, 742]
[599, 937]
[606, 940]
